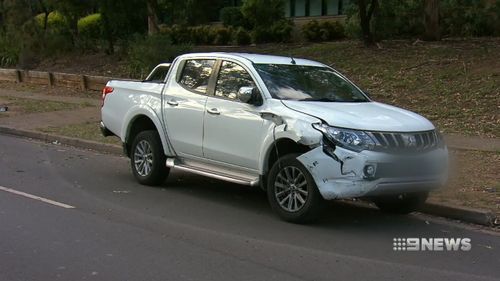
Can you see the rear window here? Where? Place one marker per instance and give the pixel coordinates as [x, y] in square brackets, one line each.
[196, 74]
[158, 75]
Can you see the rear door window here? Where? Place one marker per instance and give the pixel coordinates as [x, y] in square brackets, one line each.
[196, 74]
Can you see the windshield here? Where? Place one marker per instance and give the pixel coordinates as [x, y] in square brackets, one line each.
[308, 83]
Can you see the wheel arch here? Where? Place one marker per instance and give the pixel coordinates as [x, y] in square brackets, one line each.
[141, 120]
[277, 149]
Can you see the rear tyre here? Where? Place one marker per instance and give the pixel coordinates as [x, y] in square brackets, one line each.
[292, 192]
[147, 159]
[402, 203]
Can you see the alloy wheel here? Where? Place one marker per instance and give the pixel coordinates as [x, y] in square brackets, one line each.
[290, 189]
[143, 158]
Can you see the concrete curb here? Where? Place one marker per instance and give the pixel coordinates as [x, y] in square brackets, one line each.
[50, 138]
[465, 214]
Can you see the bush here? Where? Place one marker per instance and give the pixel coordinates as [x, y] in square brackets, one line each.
[55, 21]
[201, 35]
[279, 31]
[263, 13]
[179, 34]
[394, 19]
[267, 20]
[323, 31]
[232, 16]
[9, 51]
[144, 53]
[466, 18]
[399, 19]
[242, 37]
[403, 19]
[222, 35]
[90, 26]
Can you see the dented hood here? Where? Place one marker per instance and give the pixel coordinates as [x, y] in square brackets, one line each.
[370, 116]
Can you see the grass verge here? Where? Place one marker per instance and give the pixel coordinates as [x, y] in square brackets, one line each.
[26, 105]
[86, 131]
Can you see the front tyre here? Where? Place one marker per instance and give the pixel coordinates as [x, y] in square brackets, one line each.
[402, 203]
[147, 159]
[292, 192]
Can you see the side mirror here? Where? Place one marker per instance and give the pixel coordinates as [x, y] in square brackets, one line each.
[248, 94]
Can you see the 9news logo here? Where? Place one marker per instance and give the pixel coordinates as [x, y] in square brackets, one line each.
[431, 244]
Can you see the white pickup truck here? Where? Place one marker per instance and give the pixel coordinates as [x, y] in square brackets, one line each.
[297, 128]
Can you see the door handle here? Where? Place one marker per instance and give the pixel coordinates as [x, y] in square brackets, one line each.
[213, 111]
[173, 103]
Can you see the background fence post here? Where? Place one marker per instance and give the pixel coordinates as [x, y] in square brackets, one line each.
[51, 79]
[18, 76]
[84, 82]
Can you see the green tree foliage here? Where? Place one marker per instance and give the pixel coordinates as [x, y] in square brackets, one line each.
[263, 13]
[145, 52]
[406, 19]
[232, 16]
[266, 18]
[90, 26]
[469, 17]
[122, 19]
[72, 10]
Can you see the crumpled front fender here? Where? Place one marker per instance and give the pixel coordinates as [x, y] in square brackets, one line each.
[344, 177]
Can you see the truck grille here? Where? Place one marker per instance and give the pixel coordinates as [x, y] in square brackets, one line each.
[417, 141]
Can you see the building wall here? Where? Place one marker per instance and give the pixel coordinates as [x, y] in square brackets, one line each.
[315, 8]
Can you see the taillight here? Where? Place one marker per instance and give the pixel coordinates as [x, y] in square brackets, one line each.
[107, 90]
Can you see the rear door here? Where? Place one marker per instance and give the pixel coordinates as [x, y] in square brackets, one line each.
[233, 130]
[184, 105]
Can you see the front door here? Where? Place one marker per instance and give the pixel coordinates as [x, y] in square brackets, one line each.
[233, 130]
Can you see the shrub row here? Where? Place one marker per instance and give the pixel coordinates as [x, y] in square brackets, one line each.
[223, 35]
[404, 19]
[323, 31]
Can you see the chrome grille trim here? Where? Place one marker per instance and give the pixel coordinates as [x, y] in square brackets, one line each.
[394, 141]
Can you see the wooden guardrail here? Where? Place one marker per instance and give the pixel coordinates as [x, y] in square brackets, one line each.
[83, 82]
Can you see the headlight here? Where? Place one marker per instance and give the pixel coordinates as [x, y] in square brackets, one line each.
[350, 139]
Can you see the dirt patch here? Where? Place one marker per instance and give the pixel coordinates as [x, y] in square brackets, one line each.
[89, 64]
[474, 181]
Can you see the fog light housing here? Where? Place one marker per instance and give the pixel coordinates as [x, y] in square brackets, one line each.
[370, 171]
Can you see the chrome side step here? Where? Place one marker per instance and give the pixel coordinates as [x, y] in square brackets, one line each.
[171, 163]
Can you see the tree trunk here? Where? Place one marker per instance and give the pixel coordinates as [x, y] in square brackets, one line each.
[153, 17]
[108, 32]
[2, 16]
[432, 32]
[45, 14]
[365, 16]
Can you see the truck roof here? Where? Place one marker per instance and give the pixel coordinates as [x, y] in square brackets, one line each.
[257, 58]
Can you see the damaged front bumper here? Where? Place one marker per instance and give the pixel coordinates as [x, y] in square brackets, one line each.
[369, 173]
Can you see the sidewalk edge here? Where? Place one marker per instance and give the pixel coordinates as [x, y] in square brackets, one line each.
[50, 138]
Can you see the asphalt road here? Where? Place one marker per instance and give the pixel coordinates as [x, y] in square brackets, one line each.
[194, 228]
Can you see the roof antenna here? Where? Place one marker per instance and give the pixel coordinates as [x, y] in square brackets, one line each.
[293, 61]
